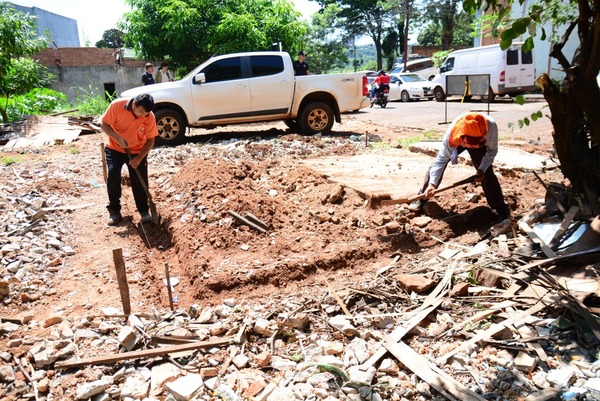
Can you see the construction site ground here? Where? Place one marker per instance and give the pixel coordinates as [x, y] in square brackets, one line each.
[311, 191]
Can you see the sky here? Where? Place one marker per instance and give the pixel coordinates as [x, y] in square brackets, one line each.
[95, 17]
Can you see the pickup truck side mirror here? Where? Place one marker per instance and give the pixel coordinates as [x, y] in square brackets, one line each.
[199, 78]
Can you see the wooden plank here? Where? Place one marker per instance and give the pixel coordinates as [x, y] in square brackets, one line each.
[169, 289]
[436, 378]
[535, 238]
[563, 227]
[526, 332]
[122, 279]
[429, 305]
[147, 353]
[496, 328]
[67, 207]
[337, 298]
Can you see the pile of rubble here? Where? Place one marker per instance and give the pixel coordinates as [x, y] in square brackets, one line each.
[507, 317]
[419, 335]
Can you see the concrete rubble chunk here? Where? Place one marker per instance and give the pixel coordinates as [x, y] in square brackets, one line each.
[414, 283]
[161, 374]
[421, 221]
[280, 363]
[208, 372]
[525, 362]
[206, 316]
[265, 327]
[561, 377]
[186, 387]
[342, 323]
[262, 360]
[389, 366]
[52, 320]
[357, 374]
[135, 386]
[88, 390]
[241, 361]
[225, 392]
[7, 375]
[127, 337]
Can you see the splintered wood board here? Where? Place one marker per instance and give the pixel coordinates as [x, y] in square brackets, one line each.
[398, 174]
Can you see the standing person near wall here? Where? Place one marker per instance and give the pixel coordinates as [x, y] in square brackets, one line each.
[147, 78]
[163, 74]
[130, 126]
[300, 66]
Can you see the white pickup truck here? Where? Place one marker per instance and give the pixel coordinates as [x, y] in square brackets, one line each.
[252, 87]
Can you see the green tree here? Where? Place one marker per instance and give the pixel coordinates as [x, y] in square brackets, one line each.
[111, 39]
[366, 17]
[464, 31]
[18, 73]
[325, 45]
[187, 32]
[574, 103]
[442, 13]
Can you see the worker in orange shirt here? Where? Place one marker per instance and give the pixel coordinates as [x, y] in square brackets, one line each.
[129, 124]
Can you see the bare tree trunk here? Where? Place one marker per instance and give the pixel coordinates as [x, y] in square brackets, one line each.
[577, 151]
[574, 108]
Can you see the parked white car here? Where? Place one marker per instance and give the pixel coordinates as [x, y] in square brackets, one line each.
[409, 86]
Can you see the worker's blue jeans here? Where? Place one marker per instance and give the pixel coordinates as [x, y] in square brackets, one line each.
[114, 162]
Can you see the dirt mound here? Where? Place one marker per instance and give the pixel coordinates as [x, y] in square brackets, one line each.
[308, 220]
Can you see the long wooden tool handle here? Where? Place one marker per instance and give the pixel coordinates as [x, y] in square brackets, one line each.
[413, 198]
[140, 177]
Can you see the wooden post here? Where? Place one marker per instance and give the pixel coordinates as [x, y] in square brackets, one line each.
[104, 168]
[122, 279]
[168, 277]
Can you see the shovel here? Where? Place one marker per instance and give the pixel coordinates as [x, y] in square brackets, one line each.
[380, 200]
[153, 212]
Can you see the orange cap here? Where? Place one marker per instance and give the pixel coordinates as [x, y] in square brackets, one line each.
[469, 131]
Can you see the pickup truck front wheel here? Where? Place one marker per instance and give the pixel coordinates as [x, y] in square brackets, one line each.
[171, 127]
[316, 117]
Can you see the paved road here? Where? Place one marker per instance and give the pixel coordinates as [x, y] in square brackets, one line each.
[431, 115]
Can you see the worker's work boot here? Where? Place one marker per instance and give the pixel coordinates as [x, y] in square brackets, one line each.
[417, 205]
[145, 218]
[114, 219]
[503, 214]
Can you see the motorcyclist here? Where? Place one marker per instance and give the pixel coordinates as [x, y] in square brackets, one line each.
[381, 82]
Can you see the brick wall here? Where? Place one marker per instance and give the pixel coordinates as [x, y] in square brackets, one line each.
[83, 57]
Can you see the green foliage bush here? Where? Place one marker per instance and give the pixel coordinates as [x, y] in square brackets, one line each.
[90, 103]
[36, 101]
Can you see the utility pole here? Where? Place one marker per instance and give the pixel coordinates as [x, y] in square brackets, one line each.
[408, 8]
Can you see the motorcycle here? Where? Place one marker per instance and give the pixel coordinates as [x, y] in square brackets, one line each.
[380, 96]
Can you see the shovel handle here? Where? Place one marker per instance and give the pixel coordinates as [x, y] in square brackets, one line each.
[139, 175]
[413, 198]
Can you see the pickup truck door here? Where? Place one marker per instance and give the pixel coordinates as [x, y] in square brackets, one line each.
[224, 94]
[271, 86]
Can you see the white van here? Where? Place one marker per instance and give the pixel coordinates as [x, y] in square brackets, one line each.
[512, 71]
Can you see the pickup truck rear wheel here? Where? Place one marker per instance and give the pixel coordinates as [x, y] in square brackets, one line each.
[171, 127]
[316, 117]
